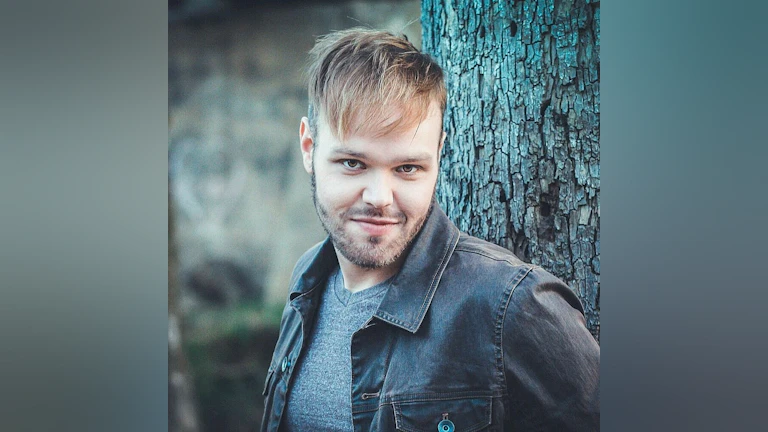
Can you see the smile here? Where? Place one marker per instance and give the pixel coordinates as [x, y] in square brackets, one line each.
[376, 226]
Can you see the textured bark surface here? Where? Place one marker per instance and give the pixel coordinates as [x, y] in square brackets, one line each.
[521, 164]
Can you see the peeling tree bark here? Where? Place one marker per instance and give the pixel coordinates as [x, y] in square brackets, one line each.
[521, 164]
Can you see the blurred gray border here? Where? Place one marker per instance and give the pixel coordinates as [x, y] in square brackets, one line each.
[83, 178]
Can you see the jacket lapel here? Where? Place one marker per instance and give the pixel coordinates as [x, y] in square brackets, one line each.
[411, 291]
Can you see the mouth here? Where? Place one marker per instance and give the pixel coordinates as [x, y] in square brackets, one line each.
[375, 226]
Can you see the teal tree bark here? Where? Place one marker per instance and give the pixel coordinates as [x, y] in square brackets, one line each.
[521, 164]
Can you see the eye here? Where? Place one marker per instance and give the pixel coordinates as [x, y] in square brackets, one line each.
[408, 169]
[352, 164]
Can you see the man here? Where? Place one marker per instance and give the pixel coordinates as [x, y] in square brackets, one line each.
[398, 321]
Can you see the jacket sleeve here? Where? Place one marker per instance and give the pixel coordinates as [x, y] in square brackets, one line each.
[551, 361]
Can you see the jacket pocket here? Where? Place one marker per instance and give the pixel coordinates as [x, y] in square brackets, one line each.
[462, 415]
[268, 382]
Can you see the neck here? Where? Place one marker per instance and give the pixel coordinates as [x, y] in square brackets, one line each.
[358, 278]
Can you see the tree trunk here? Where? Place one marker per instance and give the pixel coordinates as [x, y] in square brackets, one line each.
[521, 163]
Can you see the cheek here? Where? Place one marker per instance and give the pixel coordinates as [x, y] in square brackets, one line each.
[414, 200]
[336, 192]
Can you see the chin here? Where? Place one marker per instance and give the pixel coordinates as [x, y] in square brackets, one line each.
[371, 259]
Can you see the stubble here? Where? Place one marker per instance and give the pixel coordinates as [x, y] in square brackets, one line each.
[370, 253]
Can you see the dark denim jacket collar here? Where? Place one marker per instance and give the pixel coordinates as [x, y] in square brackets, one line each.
[412, 289]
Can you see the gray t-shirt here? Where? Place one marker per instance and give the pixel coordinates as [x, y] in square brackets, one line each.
[320, 395]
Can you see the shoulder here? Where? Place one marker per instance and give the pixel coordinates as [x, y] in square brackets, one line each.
[486, 266]
[486, 251]
[524, 290]
[525, 282]
[544, 318]
[305, 261]
[542, 296]
[546, 290]
[481, 274]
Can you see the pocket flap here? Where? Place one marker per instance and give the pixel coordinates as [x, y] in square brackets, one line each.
[467, 415]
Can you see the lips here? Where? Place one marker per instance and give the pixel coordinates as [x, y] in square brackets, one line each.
[375, 226]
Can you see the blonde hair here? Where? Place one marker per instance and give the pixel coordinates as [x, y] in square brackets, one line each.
[365, 81]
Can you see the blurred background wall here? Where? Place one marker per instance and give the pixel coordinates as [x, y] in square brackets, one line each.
[240, 200]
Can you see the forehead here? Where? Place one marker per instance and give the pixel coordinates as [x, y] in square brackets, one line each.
[417, 143]
[377, 132]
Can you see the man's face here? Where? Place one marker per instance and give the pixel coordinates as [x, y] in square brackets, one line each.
[373, 194]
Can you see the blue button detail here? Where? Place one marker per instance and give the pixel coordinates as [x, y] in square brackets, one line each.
[445, 426]
[286, 364]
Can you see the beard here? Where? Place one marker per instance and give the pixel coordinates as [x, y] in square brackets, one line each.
[371, 252]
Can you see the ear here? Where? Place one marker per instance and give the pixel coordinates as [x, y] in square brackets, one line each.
[442, 141]
[307, 144]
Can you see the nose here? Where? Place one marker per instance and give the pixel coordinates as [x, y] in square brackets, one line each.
[378, 191]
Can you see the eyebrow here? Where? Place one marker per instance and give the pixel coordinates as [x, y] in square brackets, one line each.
[350, 153]
[417, 158]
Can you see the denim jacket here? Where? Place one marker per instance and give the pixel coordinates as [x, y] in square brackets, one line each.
[467, 338]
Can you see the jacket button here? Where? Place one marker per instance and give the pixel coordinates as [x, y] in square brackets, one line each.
[286, 364]
[445, 426]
